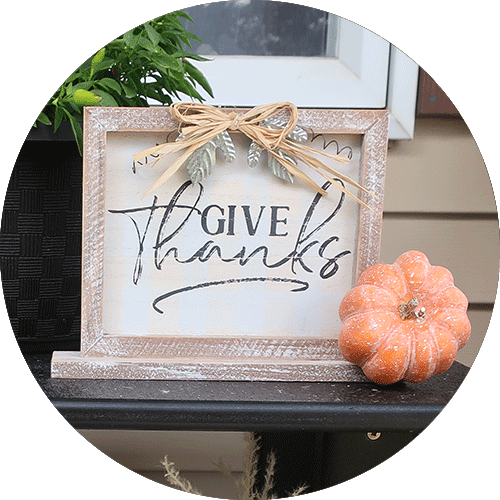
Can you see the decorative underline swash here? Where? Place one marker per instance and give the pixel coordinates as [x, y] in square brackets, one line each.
[303, 286]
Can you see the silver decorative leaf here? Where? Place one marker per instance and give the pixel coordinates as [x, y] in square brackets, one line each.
[298, 134]
[201, 163]
[254, 154]
[225, 143]
[278, 169]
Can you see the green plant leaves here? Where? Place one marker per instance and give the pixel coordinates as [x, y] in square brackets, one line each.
[153, 35]
[96, 61]
[110, 84]
[146, 43]
[130, 39]
[198, 76]
[106, 99]
[147, 62]
[77, 131]
[43, 118]
[58, 116]
[165, 61]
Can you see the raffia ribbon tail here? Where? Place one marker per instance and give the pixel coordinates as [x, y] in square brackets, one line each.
[200, 123]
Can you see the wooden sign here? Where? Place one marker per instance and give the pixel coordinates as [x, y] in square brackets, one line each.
[237, 277]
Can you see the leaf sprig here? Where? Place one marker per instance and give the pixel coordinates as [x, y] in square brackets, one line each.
[146, 63]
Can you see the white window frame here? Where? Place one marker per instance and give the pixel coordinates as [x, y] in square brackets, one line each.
[366, 73]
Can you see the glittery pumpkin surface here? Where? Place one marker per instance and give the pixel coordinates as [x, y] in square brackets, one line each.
[391, 346]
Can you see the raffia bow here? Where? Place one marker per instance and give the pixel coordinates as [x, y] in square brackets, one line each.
[201, 123]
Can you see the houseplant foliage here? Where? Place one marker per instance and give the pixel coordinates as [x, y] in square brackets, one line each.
[148, 64]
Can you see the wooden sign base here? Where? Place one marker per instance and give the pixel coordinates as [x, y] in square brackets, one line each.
[73, 365]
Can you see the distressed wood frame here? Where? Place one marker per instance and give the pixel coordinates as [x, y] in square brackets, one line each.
[105, 355]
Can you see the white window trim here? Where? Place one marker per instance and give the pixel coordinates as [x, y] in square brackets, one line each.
[367, 73]
[402, 95]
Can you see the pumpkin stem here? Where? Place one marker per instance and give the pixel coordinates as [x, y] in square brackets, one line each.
[408, 310]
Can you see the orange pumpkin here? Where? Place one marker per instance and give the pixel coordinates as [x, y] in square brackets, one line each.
[404, 321]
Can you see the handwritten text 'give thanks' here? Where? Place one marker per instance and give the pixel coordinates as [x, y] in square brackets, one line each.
[216, 220]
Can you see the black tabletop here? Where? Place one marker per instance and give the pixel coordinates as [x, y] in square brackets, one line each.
[246, 406]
